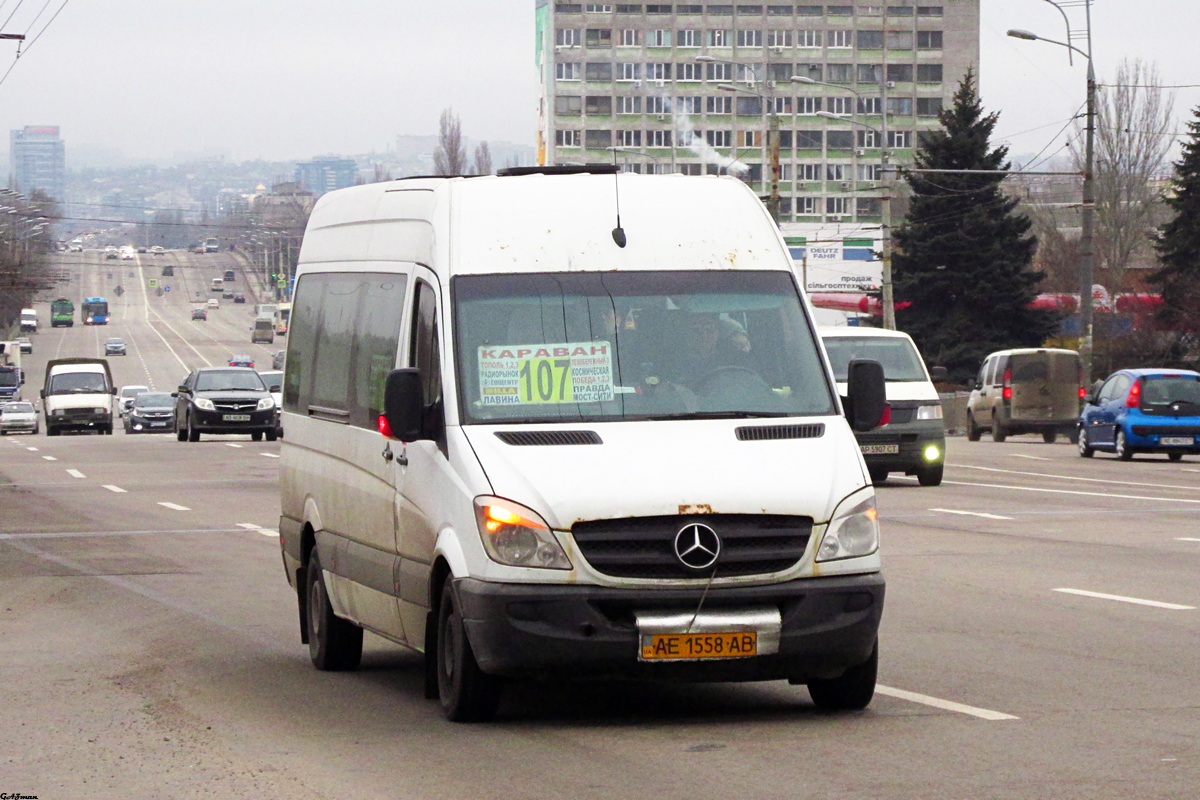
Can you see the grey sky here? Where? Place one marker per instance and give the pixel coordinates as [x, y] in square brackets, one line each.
[284, 79]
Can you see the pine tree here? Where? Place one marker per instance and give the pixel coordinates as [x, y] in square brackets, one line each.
[964, 257]
[1178, 242]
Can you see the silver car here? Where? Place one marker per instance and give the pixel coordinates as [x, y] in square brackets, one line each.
[18, 417]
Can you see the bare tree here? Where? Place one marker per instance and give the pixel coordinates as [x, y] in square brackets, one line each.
[382, 174]
[450, 158]
[483, 159]
[1132, 140]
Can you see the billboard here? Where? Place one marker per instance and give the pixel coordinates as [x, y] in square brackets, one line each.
[828, 262]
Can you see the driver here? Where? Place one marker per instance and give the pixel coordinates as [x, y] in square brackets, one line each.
[712, 342]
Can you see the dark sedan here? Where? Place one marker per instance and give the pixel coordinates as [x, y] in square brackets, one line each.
[224, 400]
[151, 412]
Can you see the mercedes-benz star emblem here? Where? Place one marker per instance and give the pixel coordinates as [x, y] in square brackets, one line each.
[697, 545]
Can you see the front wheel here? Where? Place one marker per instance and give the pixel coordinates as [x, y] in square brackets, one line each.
[852, 691]
[1123, 450]
[256, 436]
[272, 435]
[334, 644]
[1172, 456]
[878, 475]
[466, 692]
[193, 435]
[974, 432]
[931, 476]
[180, 433]
[1085, 447]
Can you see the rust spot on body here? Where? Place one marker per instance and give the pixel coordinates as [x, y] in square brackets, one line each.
[698, 508]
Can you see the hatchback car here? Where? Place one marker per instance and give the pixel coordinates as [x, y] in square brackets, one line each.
[1143, 411]
[26, 345]
[17, 417]
[241, 361]
[157, 250]
[278, 359]
[114, 347]
[227, 293]
[214, 302]
[274, 381]
[200, 314]
[224, 400]
[239, 298]
[151, 412]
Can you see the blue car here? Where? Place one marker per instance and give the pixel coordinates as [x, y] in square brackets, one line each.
[1143, 411]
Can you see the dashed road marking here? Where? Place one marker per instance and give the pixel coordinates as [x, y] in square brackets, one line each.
[1076, 478]
[231, 444]
[250, 526]
[1032, 458]
[32, 449]
[74, 473]
[116, 489]
[50, 458]
[174, 506]
[1122, 599]
[945, 705]
[1069, 491]
[969, 513]
[269, 455]
[1186, 539]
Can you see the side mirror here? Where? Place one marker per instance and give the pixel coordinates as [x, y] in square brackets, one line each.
[275, 387]
[181, 390]
[404, 404]
[113, 390]
[939, 374]
[866, 394]
[42, 393]
[174, 394]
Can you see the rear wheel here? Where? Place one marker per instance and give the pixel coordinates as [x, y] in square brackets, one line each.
[334, 644]
[1172, 456]
[878, 475]
[1122, 449]
[998, 432]
[974, 432]
[852, 691]
[1049, 437]
[930, 476]
[466, 692]
[1085, 447]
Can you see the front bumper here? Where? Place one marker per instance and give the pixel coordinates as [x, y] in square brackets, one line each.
[213, 421]
[828, 626]
[150, 424]
[17, 426]
[79, 421]
[910, 439]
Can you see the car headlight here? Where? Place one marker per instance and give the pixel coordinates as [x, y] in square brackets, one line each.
[266, 403]
[58, 412]
[101, 410]
[517, 536]
[853, 531]
[204, 404]
[929, 412]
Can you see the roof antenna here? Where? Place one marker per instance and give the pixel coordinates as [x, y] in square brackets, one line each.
[618, 233]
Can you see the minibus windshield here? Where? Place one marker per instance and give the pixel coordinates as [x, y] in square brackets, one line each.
[610, 346]
[898, 357]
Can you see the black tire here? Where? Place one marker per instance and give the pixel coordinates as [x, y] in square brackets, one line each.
[466, 693]
[1085, 447]
[852, 691]
[272, 435]
[974, 432]
[1172, 456]
[180, 433]
[931, 476]
[878, 475]
[334, 644]
[1049, 437]
[51, 431]
[256, 436]
[193, 435]
[1121, 447]
[998, 432]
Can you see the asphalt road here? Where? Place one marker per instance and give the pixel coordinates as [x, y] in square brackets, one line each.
[1039, 640]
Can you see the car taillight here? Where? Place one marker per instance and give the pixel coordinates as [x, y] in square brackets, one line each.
[1007, 392]
[1082, 393]
[1135, 394]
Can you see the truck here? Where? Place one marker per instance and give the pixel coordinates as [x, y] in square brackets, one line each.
[11, 376]
[62, 313]
[77, 395]
[212, 245]
[29, 320]
[283, 313]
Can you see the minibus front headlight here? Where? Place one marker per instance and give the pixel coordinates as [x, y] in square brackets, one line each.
[517, 536]
[204, 404]
[853, 531]
[929, 412]
[266, 403]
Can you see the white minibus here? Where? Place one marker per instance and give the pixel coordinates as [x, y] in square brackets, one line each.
[569, 422]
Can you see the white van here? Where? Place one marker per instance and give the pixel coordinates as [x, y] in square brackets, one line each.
[532, 435]
[913, 439]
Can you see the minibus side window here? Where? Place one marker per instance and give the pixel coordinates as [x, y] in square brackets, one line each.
[335, 337]
[302, 342]
[423, 353]
[376, 338]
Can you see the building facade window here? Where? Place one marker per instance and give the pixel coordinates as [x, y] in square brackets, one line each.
[807, 205]
[900, 140]
[598, 71]
[749, 38]
[718, 38]
[629, 71]
[868, 206]
[837, 205]
[598, 140]
[839, 39]
[808, 105]
[718, 138]
[629, 138]
[808, 172]
[719, 105]
[836, 172]
[900, 106]
[929, 106]
[719, 72]
[840, 105]
[839, 140]
[870, 172]
[630, 38]
[867, 138]
[810, 140]
[598, 106]
[777, 38]
[658, 71]
[929, 73]
[658, 138]
[629, 105]
[568, 105]
[929, 40]
[808, 38]
[564, 138]
[899, 40]
[566, 71]
[870, 105]
[870, 73]
[839, 73]
[566, 37]
[659, 38]
[689, 72]
[749, 106]
[688, 38]
[598, 37]
[900, 73]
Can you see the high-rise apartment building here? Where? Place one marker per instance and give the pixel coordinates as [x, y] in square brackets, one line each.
[326, 173]
[693, 88]
[38, 160]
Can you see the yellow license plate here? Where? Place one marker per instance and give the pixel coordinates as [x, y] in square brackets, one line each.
[692, 646]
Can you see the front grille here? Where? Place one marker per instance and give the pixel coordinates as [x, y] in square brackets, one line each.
[236, 406]
[644, 547]
[80, 413]
[762, 432]
[527, 438]
[1166, 430]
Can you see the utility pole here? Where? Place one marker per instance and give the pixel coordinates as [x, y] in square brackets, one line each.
[773, 203]
[1087, 246]
[887, 294]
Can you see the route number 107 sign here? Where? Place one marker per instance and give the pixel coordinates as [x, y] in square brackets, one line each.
[571, 372]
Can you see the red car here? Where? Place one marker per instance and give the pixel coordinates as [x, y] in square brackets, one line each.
[199, 249]
[241, 361]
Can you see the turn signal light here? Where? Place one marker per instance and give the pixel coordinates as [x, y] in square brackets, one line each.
[381, 424]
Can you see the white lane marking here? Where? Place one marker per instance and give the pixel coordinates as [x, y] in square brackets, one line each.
[269, 455]
[32, 449]
[116, 489]
[174, 506]
[74, 473]
[50, 458]
[250, 526]
[969, 513]
[945, 705]
[1069, 491]
[1185, 469]
[1032, 458]
[268, 532]
[1186, 539]
[231, 444]
[1074, 478]
[1122, 599]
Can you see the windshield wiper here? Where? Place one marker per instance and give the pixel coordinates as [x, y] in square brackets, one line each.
[716, 415]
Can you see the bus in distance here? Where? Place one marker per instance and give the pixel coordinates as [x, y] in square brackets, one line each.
[212, 244]
[62, 313]
[95, 311]
[283, 313]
